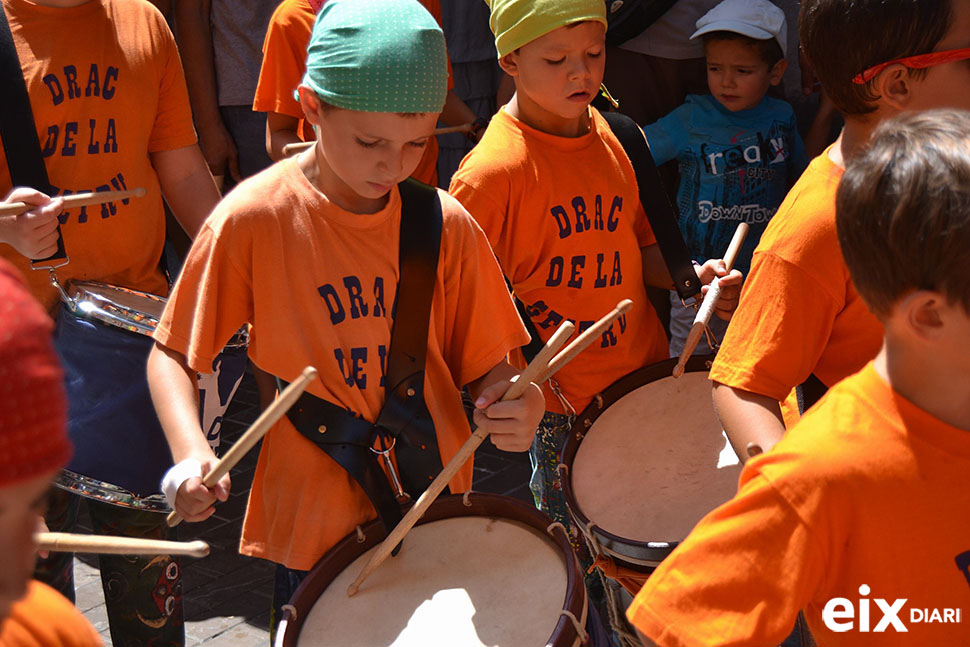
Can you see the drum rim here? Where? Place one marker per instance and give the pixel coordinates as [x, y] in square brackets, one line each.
[70, 481]
[641, 556]
[79, 291]
[479, 504]
[86, 292]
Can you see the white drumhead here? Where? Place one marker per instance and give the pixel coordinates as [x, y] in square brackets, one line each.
[656, 461]
[457, 582]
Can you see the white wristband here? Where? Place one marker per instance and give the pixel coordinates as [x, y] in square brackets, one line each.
[177, 475]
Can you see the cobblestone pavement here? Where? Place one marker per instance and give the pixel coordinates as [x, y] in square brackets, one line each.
[226, 595]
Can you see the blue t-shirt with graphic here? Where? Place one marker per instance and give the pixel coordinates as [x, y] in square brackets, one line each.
[734, 166]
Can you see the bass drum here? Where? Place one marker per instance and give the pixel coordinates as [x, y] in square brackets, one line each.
[477, 570]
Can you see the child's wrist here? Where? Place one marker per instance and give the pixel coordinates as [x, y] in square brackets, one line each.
[477, 129]
[177, 475]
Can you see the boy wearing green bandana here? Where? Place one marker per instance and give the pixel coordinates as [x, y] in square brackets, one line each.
[306, 252]
[557, 197]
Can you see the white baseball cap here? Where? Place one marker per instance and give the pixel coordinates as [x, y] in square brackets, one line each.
[758, 19]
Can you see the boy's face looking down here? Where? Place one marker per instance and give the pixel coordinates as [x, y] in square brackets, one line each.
[737, 73]
[557, 76]
[365, 153]
[21, 505]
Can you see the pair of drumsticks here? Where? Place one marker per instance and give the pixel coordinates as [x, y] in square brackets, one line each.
[540, 369]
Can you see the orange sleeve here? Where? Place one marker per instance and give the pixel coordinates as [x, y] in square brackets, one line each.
[489, 208]
[45, 618]
[284, 58]
[173, 127]
[740, 577]
[482, 324]
[211, 299]
[779, 331]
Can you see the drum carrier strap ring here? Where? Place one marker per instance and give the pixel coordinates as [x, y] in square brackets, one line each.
[404, 421]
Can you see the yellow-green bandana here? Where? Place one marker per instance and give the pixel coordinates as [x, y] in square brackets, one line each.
[517, 22]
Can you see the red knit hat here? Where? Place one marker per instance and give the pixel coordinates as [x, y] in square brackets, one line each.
[33, 407]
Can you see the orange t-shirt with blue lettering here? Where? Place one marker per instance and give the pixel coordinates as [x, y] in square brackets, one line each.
[284, 64]
[799, 312]
[45, 618]
[318, 285]
[564, 218]
[107, 90]
[867, 491]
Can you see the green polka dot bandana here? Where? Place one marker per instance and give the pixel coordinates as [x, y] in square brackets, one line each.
[378, 56]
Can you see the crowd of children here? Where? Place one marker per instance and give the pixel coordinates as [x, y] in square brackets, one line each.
[851, 277]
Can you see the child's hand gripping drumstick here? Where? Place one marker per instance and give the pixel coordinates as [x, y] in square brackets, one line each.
[539, 370]
[710, 299]
[64, 542]
[258, 429]
[75, 200]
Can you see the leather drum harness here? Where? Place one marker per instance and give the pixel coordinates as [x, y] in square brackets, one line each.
[404, 422]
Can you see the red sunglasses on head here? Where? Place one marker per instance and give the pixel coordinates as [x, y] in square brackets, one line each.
[918, 62]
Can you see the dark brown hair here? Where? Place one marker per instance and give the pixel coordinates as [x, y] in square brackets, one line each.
[903, 210]
[769, 50]
[842, 38]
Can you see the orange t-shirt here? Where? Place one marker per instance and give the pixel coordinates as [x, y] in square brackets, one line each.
[107, 90]
[799, 312]
[867, 489]
[564, 218]
[45, 618]
[318, 283]
[284, 64]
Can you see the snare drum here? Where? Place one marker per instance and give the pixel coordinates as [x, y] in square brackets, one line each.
[489, 571]
[120, 452]
[644, 462]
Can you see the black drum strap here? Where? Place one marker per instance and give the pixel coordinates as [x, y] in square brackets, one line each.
[404, 419]
[17, 129]
[656, 204]
[809, 392]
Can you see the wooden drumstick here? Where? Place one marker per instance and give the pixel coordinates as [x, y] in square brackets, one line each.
[462, 128]
[530, 374]
[710, 299]
[252, 436]
[589, 335]
[65, 542]
[76, 200]
[299, 147]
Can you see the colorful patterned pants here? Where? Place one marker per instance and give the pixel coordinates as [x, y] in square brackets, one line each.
[546, 486]
[143, 594]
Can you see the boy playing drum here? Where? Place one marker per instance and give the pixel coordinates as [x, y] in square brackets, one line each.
[306, 252]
